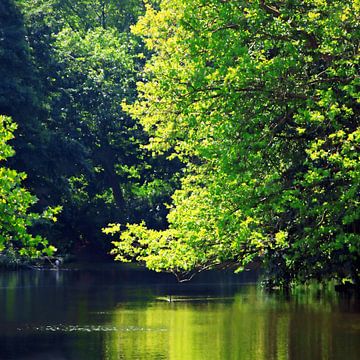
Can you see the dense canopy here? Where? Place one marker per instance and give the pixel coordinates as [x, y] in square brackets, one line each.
[211, 134]
[66, 67]
[260, 100]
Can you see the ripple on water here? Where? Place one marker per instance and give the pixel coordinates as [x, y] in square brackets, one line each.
[86, 328]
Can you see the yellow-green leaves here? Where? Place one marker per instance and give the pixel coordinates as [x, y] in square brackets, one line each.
[15, 203]
[259, 101]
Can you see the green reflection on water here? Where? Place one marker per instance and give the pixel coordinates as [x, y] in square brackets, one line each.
[249, 327]
[92, 315]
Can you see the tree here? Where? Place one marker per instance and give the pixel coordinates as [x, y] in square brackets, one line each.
[260, 101]
[15, 204]
[100, 72]
[19, 88]
[94, 164]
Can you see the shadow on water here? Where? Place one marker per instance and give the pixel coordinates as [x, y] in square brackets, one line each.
[124, 312]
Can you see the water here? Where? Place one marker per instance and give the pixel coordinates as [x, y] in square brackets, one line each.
[118, 312]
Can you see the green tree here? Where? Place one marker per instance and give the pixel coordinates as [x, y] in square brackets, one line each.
[94, 166]
[19, 89]
[260, 101]
[16, 217]
[100, 71]
[88, 14]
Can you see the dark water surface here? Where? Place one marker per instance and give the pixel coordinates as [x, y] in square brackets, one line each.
[116, 312]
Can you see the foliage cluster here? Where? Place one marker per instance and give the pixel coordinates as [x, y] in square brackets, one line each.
[260, 100]
[15, 205]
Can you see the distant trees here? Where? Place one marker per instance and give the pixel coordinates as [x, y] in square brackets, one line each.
[20, 99]
[19, 87]
[260, 101]
[67, 66]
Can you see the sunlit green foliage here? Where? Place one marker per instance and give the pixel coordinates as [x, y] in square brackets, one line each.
[15, 206]
[260, 100]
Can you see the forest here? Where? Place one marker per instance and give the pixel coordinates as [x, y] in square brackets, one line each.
[183, 135]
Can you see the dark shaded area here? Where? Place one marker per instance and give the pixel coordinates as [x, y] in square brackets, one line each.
[78, 147]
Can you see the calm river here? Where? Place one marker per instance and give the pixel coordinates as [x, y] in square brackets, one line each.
[119, 312]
